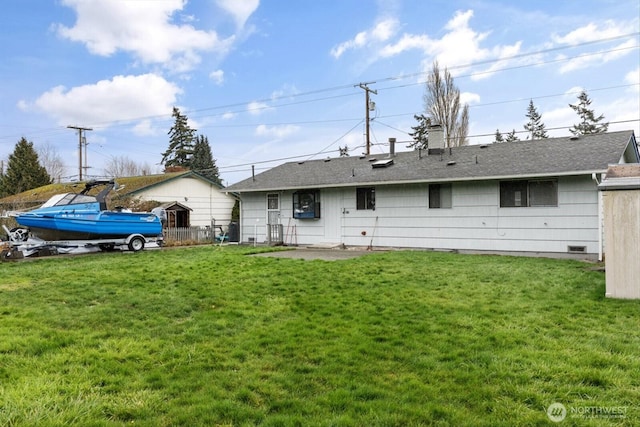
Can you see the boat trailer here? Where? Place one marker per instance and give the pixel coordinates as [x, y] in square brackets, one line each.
[21, 244]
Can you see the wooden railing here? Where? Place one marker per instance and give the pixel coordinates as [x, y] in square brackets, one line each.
[274, 234]
[188, 234]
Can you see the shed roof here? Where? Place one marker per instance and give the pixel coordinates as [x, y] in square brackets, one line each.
[545, 157]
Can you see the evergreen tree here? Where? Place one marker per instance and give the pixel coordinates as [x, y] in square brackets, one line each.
[499, 137]
[589, 124]
[181, 142]
[420, 133]
[534, 126]
[24, 170]
[511, 137]
[203, 161]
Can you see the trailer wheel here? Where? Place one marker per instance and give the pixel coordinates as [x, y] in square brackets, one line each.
[18, 234]
[136, 243]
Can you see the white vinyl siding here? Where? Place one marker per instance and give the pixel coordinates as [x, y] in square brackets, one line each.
[207, 201]
[475, 221]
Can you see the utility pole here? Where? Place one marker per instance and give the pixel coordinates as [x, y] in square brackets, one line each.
[81, 140]
[368, 107]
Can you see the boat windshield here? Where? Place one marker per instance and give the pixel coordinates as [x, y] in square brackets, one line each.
[68, 199]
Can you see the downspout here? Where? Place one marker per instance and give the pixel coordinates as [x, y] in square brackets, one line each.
[240, 219]
[594, 177]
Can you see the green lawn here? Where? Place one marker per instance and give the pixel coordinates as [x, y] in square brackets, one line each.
[211, 336]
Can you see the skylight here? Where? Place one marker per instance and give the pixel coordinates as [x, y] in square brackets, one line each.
[382, 163]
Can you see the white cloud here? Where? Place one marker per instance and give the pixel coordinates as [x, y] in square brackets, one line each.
[142, 28]
[460, 45]
[624, 110]
[256, 108]
[108, 101]
[145, 127]
[217, 76]
[598, 58]
[573, 92]
[591, 32]
[469, 98]
[503, 58]
[286, 91]
[228, 115]
[559, 117]
[241, 10]
[279, 132]
[633, 78]
[381, 32]
[407, 42]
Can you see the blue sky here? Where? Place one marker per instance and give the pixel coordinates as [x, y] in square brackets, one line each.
[272, 80]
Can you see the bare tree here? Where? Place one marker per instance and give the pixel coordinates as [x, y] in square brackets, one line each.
[121, 166]
[146, 169]
[442, 104]
[51, 161]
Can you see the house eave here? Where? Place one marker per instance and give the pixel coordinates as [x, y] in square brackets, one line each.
[422, 181]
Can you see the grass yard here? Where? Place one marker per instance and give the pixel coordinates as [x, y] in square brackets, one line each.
[209, 336]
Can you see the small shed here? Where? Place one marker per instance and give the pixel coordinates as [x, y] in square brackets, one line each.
[621, 201]
[178, 215]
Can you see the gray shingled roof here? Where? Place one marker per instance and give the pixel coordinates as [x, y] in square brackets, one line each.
[546, 157]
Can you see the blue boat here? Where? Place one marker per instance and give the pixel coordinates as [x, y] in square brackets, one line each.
[81, 216]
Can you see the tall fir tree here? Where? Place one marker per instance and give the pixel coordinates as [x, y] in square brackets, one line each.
[499, 138]
[534, 126]
[203, 161]
[24, 170]
[589, 124]
[181, 142]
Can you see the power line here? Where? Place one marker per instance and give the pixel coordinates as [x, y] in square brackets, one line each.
[411, 75]
[509, 101]
[390, 78]
[515, 67]
[324, 150]
[59, 129]
[340, 138]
